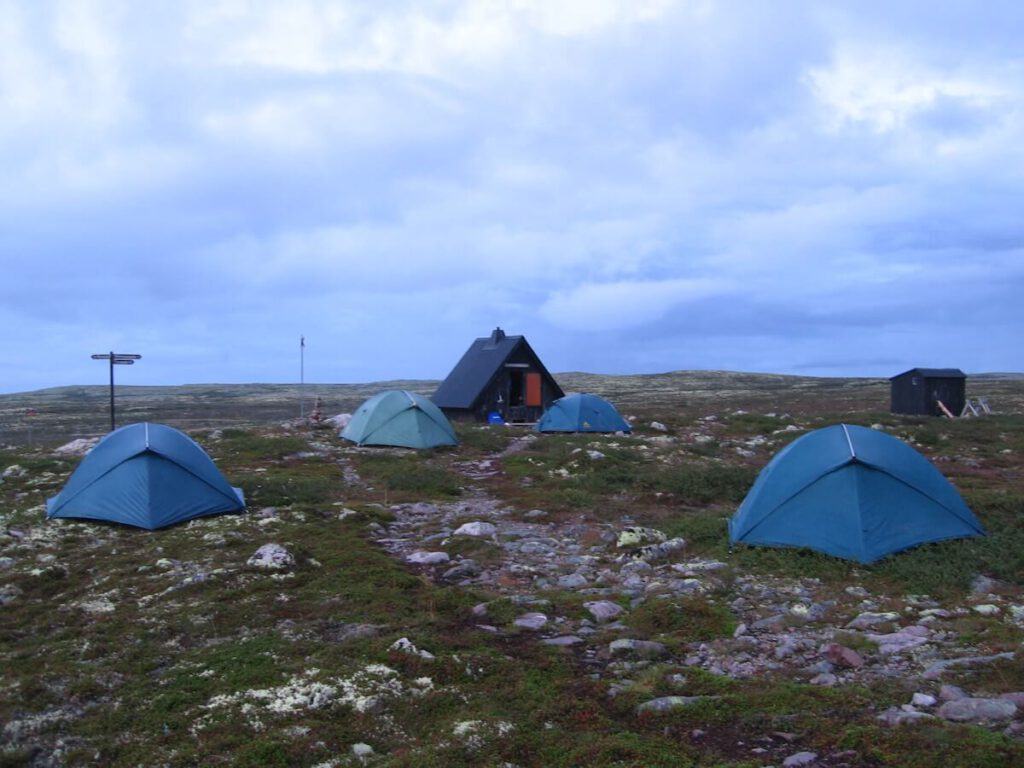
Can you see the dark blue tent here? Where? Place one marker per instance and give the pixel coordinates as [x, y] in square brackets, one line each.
[147, 475]
[851, 492]
[582, 413]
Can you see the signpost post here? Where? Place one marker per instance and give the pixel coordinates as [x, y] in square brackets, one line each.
[116, 358]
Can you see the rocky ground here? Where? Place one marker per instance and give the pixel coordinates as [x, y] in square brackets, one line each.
[801, 629]
[520, 601]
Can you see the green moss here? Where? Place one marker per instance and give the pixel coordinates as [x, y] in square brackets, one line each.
[411, 477]
[683, 619]
[246, 446]
[932, 745]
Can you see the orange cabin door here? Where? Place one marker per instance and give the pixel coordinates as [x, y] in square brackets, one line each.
[533, 397]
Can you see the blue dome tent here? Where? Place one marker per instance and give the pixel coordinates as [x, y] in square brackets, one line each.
[402, 419]
[852, 492]
[146, 475]
[582, 413]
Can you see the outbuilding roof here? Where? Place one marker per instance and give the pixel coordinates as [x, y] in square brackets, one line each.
[935, 373]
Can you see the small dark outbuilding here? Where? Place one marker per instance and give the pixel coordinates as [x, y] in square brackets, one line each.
[498, 374]
[919, 391]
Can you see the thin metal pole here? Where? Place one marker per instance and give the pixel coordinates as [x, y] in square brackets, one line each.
[302, 377]
[111, 390]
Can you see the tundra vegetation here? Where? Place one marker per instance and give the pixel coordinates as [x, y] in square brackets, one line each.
[521, 600]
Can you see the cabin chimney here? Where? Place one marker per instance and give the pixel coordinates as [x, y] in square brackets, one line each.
[497, 336]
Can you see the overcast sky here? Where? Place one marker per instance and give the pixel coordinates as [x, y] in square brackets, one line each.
[826, 188]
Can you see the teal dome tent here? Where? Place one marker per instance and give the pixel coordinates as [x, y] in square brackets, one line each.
[402, 419]
[852, 492]
[582, 413]
[146, 475]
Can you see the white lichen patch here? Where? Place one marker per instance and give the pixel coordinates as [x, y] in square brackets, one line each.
[475, 733]
[101, 604]
[405, 645]
[364, 691]
[18, 731]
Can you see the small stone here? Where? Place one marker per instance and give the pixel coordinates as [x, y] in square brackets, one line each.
[563, 640]
[842, 656]
[427, 558]
[603, 610]
[657, 425]
[776, 622]
[825, 679]
[785, 648]
[595, 455]
[896, 716]
[983, 585]
[659, 551]
[923, 700]
[987, 609]
[272, 557]
[535, 513]
[977, 710]
[1014, 730]
[531, 621]
[952, 693]
[405, 645]
[362, 751]
[870, 619]
[637, 535]
[340, 632]
[572, 581]
[1017, 697]
[476, 529]
[647, 649]
[800, 758]
[668, 703]
[634, 567]
[938, 667]
[464, 569]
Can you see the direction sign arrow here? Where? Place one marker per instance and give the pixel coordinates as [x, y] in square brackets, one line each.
[119, 356]
[115, 361]
[101, 357]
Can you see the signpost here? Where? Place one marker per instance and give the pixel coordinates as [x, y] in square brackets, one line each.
[116, 358]
[302, 377]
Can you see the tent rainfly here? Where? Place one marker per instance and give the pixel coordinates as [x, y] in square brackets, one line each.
[582, 412]
[146, 475]
[854, 493]
[399, 418]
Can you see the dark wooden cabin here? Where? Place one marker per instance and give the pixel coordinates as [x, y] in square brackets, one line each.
[919, 391]
[498, 374]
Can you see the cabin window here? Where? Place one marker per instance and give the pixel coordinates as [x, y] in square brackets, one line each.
[914, 382]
